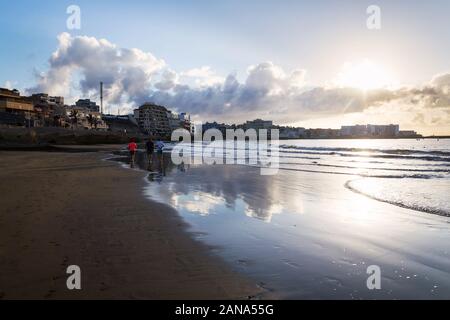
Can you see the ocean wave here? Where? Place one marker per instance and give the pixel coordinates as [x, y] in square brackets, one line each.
[372, 153]
[404, 202]
[380, 156]
[364, 175]
[380, 168]
[398, 169]
[372, 150]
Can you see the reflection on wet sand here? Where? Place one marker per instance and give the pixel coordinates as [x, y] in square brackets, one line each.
[303, 234]
[205, 186]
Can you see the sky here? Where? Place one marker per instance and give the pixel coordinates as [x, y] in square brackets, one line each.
[304, 63]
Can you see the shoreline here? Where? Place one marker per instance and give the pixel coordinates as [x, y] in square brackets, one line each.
[302, 235]
[78, 209]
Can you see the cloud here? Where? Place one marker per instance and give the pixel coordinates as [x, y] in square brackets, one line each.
[132, 76]
[265, 87]
[272, 79]
[126, 73]
[203, 76]
[9, 84]
[169, 80]
[269, 92]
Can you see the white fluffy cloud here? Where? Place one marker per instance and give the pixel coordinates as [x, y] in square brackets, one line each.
[9, 84]
[203, 76]
[169, 79]
[268, 91]
[126, 73]
[132, 76]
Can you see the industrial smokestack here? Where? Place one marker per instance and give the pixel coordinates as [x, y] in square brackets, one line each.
[101, 97]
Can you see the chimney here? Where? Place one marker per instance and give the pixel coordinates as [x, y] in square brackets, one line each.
[101, 97]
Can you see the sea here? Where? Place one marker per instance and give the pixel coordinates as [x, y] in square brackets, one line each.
[333, 210]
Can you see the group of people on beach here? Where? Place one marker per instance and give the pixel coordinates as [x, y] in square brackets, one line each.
[150, 147]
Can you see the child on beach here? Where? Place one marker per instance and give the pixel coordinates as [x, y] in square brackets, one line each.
[132, 148]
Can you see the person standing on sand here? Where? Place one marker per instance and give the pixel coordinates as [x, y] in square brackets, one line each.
[150, 146]
[132, 148]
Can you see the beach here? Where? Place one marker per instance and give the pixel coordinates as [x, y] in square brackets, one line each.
[157, 230]
[71, 208]
[334, 209]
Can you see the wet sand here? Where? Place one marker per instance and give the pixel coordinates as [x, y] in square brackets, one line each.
[304, 235]
[60, 209]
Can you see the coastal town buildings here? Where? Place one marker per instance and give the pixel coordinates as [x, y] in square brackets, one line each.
[123, 124]
[85, 118]
[391, 130]
[185, 121]
[158, 121]
[50, 111]
[43, 110]
[15, 110]
[258, 124]
[292, 133]
[88, 105]
[179, 121]
[153, 120]
[320, 133]
[222, 127]
[174, 122]
[44, 99]
[369, 130]
[408, 134]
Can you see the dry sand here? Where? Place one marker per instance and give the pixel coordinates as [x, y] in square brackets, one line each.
[60, 209]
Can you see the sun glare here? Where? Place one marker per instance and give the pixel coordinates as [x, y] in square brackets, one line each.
[365, 75]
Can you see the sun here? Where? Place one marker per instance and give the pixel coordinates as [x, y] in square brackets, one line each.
[365, 75]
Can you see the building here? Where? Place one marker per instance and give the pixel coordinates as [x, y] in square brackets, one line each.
[87, 104]
[370, 131]
[291, 133]
[82, 117]
[185, 121]
[174, 121]
[222, 127]
[408, 134]
[258, 124]
[15, 110]
[45, 99]
[356, 130]
[390, 130]
[160, 122]
[50, 111]
[11, 101]
[179, 121]
[153, 120]
[125, 124]
[320, 133]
